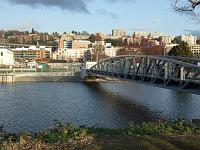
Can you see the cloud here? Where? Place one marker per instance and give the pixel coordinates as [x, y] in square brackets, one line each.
[192, 32]
[107, 13]
[79, 6]
[72, 5]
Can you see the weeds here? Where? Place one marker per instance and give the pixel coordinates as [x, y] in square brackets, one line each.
[180, 127]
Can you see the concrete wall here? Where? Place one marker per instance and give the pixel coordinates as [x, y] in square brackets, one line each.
[47, 77]
[7, 78]
[40, 77]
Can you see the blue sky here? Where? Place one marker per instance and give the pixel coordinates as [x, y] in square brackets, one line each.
[94, 16]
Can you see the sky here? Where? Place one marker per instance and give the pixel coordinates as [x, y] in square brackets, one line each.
[95, 16]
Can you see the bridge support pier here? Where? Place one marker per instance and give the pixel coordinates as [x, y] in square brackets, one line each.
[182, 73]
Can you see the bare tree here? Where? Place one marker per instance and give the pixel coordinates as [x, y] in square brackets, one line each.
[188, 8]
[185, 5]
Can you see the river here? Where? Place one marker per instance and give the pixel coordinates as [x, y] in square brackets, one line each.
[32, 107]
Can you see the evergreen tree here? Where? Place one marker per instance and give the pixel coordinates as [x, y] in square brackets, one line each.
[181, 50]
[32, 31]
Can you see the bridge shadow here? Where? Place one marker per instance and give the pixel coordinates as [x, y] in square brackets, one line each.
[124, 108]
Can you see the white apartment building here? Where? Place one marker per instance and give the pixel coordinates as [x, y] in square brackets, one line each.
[166, 39]
[6, 56]
[110, 50]
[195, 49]
[117, 33]
[69, 54]
[141, 34]
[156, 35]
[32, 48]
[190, 39]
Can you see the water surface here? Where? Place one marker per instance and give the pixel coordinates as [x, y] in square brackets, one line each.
[31, 107]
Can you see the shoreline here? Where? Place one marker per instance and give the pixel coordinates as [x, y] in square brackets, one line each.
[144, 136]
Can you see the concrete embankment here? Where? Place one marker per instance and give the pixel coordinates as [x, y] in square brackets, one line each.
[47, 77]
[51, 77]
[40, 77]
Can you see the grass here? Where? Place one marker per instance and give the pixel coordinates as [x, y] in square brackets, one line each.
[149, 136]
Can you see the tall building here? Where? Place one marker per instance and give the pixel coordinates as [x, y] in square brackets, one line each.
[117, 33]
[141, 34]
[156, 35]
[190, 39]
[63, 39]
[166, 39]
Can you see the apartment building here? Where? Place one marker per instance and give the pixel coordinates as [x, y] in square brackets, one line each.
[81, 44]
[117, 33]
[110, 51]
[6, 56]
[32, 53]
[195, 49]
[69, 54]
[190, 39]
[165, 39]
[141, 34]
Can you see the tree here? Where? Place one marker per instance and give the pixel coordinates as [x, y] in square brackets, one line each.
[198, 42]
[32, 31]
[85, 33]
[115, 42]
[181, 50]
[185, 5]
[94, 38]
[188, 7]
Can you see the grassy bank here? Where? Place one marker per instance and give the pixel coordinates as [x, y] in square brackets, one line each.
[149, 136]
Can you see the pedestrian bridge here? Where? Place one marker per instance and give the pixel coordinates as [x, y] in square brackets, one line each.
[169, 72]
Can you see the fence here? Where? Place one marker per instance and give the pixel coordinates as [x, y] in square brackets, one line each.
[66, 68]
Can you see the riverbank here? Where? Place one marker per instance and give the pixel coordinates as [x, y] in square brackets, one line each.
[149, 136]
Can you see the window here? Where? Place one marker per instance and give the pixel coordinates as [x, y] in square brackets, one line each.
[1, 53]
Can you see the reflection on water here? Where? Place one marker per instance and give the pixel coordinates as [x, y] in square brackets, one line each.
[34, 106]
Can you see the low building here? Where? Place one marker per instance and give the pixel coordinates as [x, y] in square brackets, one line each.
[81, 44]
[6, 56]
[69, 54]
[32, 53]
[110, 51]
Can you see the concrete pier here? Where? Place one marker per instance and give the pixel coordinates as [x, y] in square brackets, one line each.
[7, 78]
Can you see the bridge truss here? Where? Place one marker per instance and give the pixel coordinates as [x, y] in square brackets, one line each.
[176, 72]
